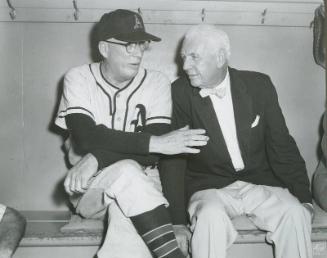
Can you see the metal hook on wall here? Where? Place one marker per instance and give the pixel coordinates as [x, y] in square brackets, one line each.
[140, 11]
[12, 12]
[263, 16]
[203, 14]
[319, 12]
[76, 12]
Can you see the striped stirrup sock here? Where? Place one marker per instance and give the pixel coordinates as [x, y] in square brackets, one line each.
[157, 232]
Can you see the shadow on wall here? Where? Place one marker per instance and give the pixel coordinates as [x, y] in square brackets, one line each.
[52, 127]
[319, 152]
[178, 60]
[59, 195]
[94, 51]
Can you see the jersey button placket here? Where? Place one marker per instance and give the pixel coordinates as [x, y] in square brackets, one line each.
[119, 119]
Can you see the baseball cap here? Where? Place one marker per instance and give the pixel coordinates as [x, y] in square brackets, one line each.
[123, 25]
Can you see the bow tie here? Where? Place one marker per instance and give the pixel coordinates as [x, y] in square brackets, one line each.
[219, 92]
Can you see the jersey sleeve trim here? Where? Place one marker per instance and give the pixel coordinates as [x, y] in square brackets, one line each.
[61, 121]
[72, 110]
[158, 120]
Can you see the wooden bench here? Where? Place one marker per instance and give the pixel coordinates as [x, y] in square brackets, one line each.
[46, 237]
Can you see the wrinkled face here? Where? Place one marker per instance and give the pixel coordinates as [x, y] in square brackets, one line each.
[200, 63]
[123, 65]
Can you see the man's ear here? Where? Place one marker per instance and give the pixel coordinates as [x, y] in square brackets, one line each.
[221, 58]
[103, 48]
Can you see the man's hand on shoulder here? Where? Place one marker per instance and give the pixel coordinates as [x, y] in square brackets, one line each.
[77, 179]
[183, 140]
[183, 236]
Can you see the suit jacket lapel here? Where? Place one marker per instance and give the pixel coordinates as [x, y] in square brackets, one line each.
[207, 115]
[242, 103]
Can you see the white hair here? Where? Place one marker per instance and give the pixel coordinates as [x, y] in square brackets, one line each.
[210, 35]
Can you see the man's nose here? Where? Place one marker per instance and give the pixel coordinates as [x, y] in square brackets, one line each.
[138, 52]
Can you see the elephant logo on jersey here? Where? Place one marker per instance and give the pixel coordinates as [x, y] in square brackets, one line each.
[139, 121]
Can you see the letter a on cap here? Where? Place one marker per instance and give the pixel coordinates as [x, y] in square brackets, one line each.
[138, 24]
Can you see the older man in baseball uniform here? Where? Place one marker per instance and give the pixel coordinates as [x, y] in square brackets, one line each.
[118, 116]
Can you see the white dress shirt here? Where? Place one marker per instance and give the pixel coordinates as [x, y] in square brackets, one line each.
[223, 106]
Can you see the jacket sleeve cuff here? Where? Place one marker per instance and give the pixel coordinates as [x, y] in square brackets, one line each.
[178, 217]
[303, 195]
[143, 143]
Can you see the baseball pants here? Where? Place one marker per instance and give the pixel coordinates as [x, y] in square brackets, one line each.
[125, 189]
[273, 209]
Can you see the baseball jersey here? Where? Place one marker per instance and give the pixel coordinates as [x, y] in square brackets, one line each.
[2, 211]
[145, 100]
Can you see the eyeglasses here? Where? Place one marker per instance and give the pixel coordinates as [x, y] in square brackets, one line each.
[131, 46]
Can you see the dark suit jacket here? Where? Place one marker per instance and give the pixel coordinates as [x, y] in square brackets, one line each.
[269, 153]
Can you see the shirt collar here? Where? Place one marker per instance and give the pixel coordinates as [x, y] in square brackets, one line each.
[220, 90]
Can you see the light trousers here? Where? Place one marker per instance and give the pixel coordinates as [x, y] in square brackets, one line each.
[125, 189]
[272, 209]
